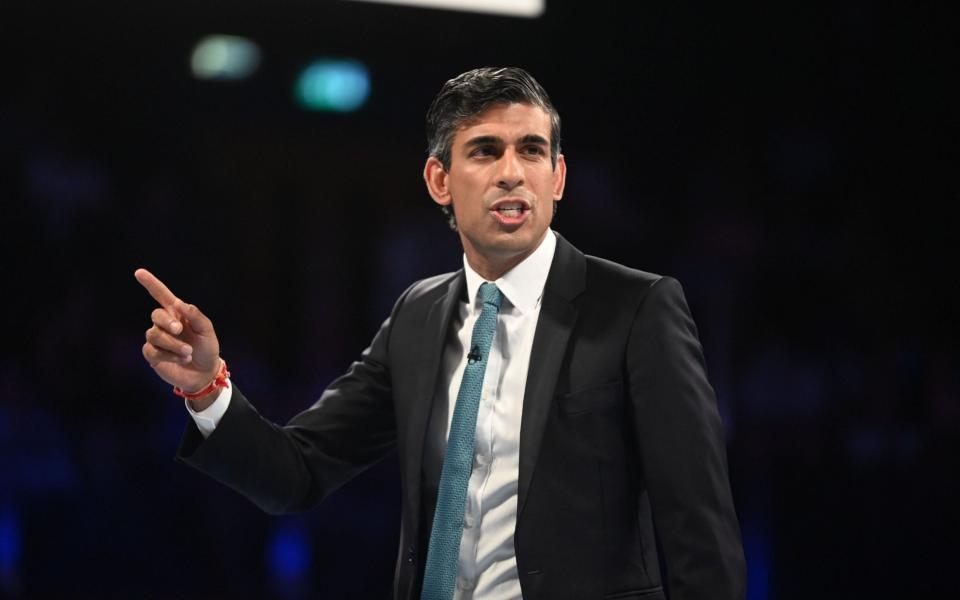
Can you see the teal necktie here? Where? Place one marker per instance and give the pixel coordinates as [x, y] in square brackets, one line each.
[443, 554]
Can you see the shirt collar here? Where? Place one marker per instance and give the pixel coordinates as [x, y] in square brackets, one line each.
[522, 285]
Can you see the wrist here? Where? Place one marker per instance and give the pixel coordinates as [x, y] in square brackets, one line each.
[202, 403]
[208, 393]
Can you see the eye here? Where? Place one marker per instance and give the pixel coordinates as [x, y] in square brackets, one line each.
[481, 151]
[534, 150]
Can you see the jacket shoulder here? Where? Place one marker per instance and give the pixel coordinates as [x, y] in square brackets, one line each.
[430, 289]
[417, 300]
[605, 273]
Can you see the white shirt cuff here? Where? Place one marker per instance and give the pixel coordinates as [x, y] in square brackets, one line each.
[208, 418]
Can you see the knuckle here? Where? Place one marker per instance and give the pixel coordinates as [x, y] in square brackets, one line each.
[153, 335]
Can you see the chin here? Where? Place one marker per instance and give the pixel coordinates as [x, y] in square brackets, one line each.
[515, 243]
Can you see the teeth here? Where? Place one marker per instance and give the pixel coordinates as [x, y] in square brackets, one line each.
[510, 212]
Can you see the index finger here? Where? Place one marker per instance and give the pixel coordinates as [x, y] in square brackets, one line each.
[160, 292]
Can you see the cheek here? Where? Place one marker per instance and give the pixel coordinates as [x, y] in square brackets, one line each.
[467, 197]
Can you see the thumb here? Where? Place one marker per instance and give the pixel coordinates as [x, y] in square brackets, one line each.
[198, 321]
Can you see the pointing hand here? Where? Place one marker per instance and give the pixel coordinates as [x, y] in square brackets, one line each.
[181, 345]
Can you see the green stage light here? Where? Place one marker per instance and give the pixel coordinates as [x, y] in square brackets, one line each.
[333, 85]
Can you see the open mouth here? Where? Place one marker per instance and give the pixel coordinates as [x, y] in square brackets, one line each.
[511, 209]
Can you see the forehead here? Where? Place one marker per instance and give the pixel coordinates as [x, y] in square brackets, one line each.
[507, 121]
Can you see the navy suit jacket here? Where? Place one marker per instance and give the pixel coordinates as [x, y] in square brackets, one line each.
[620, 437]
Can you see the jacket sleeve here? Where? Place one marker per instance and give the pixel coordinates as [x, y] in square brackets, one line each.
[292, 468]
[682, 450]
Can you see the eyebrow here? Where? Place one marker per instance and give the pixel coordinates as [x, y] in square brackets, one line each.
[533, 139]
[482, 140]
[530, 138]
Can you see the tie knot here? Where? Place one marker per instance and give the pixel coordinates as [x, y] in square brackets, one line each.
[490, 294]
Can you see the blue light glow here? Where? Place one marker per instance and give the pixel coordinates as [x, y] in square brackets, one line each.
[757, 548]
[289, 554]
[10, 547]
[333, 85]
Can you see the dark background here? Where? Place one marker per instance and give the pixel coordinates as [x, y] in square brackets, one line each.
[793, 165]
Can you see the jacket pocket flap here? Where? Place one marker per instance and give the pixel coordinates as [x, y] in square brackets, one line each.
[590, 399]
[646, 594]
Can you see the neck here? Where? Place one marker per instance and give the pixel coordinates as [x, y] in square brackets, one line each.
[492, 270]
[493, 266]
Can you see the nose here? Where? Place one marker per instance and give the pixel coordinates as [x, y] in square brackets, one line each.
[511, 171]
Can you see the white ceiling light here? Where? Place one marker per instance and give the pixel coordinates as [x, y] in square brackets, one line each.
[513, 8]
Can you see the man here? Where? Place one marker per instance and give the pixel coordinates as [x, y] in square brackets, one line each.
[550, 410]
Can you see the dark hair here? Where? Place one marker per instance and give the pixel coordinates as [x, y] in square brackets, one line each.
[469, 94]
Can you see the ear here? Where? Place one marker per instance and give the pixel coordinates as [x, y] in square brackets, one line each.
[559, 178]
[435, 176]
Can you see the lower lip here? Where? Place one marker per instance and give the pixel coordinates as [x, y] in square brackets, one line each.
[509, 219]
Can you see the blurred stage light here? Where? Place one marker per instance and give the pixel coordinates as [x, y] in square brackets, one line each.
[289, 554]
[333, 85]
[224, 57]
[11, 547]
[513, 8]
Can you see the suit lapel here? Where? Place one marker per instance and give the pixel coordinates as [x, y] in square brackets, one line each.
[435, 330]
[558, 315]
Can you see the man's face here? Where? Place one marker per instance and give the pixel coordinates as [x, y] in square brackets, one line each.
[501, 184]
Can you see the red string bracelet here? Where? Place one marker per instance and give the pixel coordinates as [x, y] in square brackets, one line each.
[219, 381]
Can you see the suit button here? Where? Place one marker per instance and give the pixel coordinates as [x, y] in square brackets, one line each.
[409, 560]
[466, 583]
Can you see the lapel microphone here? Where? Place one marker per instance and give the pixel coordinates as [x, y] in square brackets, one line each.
[474, 354]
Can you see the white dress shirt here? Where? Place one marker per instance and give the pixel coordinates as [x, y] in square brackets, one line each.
[487, 568]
